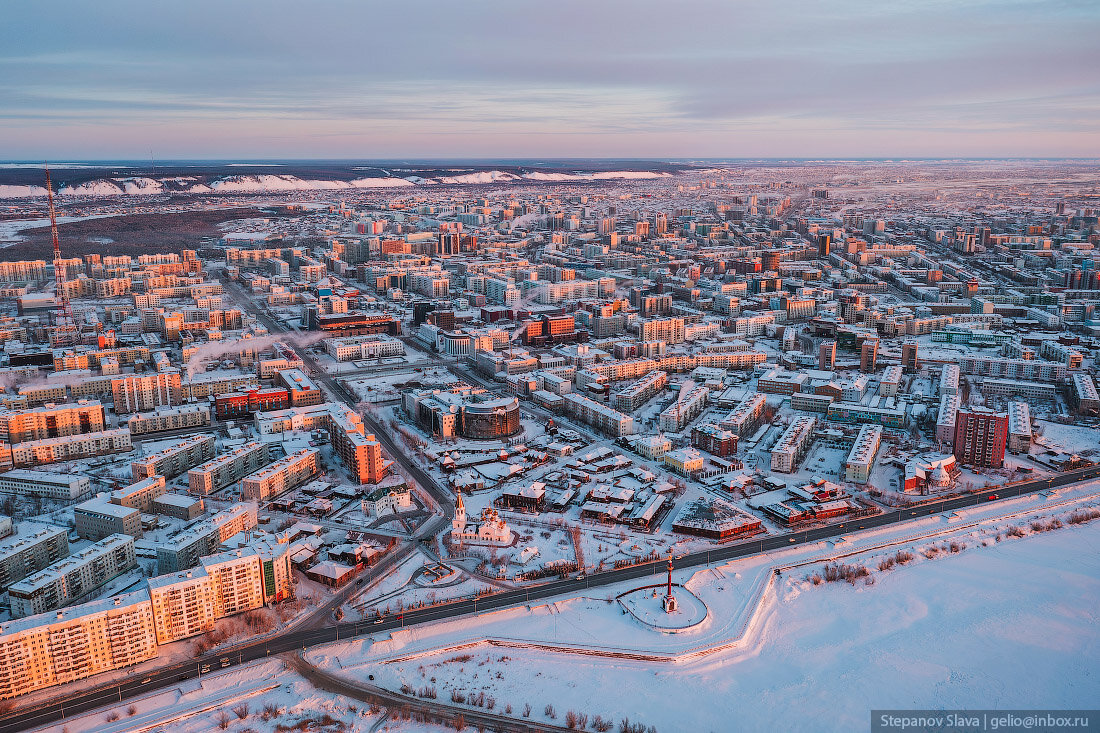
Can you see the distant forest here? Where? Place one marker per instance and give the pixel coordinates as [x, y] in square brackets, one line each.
[133, 234]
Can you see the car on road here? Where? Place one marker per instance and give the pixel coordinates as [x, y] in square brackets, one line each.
[147, 680]
[991, 497]
[225, 661]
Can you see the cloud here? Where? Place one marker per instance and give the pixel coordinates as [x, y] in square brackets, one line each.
[644, 78]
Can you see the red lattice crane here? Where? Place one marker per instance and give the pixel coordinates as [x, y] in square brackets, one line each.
[64, 332]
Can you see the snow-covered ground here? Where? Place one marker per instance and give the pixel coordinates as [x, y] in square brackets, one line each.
[955, 626]
[257, 697]
[979, 617]
[1072, 439]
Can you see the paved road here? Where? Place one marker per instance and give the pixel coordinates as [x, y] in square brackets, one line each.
[301, 639]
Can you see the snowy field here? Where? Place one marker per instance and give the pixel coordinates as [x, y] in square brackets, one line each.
[953, 627]
[257, 697]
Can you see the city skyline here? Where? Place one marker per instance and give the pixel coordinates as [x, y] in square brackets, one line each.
[491, 80]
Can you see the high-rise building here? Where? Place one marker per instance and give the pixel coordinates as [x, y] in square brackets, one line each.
[980, 437]
[868, 355]
[826, 355]
[145, 392]
[909, 357]
[660, 223]
[51, 421]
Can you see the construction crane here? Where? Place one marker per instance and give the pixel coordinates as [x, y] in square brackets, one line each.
[64, 332]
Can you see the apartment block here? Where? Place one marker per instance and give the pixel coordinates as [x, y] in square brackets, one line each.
[793, 444]
[945, 422]
[1033, 370]
[161, 419]
[669, 330]
[174, 460]
[70, 448]
[28, 482]
[99, 518]
[890, 383]
[66, 580]
[32, 548]
[949, 379]
[360, 452]
[1016, 388]
[227, 468]
[74, 643]
[179, 506]
[685, 409]
[639, 392]
[281, 476]
[600, 416]
[981, 436]
[139, 393]
[1085, 394]
[140, 494]
[51, 421]
[747, 416]
[188, 602]
[857, 467]
[1019, 427]
[302, 391]
[204, 538]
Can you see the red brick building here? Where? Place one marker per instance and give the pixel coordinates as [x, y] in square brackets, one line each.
[980, 437]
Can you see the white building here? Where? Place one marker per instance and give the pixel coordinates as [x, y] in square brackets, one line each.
[598, 415]
[945, 422]
[857, 467]
[793, 444]
[489, 529]
[70, 448]
[685, 409]
[28, 482]
[169, 418]
[746, 417]
[227, 468]
[187, 548]
[175, 459]
[890, 383]
[1019, 427]
[35, 546]
[387, 500]
[353, 348]
[949, 379]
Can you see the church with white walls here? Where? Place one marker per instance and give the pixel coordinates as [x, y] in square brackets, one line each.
[489, 529]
